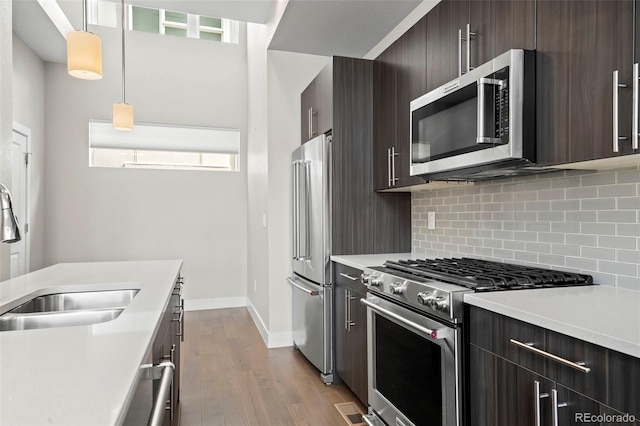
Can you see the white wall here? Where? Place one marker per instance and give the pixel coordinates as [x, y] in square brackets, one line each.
[6, 115]
[257, 176]
[288, 75]
[28, 110]
[276, 80]
[96, 214]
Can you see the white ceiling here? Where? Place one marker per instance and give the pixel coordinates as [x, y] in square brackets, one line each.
[338, 27]
[321, 27]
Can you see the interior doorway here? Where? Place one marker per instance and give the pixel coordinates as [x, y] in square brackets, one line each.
[19, 260]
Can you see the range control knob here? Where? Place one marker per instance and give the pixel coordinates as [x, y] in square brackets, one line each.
[424, 296]
[375, 281]
[438, 303]
[397, 288]
[365, 279]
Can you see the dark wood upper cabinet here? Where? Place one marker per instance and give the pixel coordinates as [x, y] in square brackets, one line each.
[362, 221]
[444, 55]
[316, 101]
[580, 45]
[500, 25]
[400, 75]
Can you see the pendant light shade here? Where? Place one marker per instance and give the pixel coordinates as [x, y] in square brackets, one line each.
[123, 112]
[84, 52]
[122, 116]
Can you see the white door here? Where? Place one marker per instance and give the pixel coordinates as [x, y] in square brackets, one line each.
[19, 255]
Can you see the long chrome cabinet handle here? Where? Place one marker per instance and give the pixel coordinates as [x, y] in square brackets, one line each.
[394, 179]
[538, 396]
[616, 136]
[310, 118]
[159, 405]
[349, 277]
[469, 35]
[389, 167]
[306, 290]
[459, 52]
[634, 117]
[434, 334]
[554, 407]
[348, 302]
[529, 346]
[346, 309]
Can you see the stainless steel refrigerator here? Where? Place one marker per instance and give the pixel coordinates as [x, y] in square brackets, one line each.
[311, 280]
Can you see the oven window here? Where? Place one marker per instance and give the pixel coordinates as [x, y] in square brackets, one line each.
[408, 372]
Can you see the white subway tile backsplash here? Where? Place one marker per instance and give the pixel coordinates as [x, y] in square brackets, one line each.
[582, 240]
[598, 228]
[632, 203]
[628, 176]
[573, 220]
[628, 282]
[550, 237]
[628, 243]
[620, 190]
[617, 268]
[552, 260]
[599, 179]
[618, 216]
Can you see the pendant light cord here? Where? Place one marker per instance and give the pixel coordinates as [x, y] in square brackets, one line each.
[123, 54]
[84, 15]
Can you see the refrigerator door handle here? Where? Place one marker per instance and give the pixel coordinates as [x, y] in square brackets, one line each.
[296, 223]
[304, 213]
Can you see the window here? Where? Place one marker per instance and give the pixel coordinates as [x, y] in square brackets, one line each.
[162, 21]
[156, 146]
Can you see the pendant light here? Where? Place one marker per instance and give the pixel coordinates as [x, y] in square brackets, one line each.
[123, 112]
[84, 52]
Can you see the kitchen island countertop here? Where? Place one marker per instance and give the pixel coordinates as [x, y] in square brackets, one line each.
[80, 375]
[599, 314]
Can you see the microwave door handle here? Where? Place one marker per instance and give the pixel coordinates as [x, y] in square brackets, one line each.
[481, 116]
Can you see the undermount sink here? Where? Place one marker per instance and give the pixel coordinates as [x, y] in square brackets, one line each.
[77, 301]
[13, 321]
[67, 309]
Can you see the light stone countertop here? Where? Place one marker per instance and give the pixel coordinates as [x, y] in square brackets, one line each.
[361, 261]
[603, 315]
[80, 375]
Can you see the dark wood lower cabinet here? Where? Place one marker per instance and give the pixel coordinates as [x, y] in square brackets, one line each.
[350, 324]
[502, 377]
[503, 393]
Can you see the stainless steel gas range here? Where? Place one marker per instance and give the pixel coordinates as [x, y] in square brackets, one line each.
[415, 326]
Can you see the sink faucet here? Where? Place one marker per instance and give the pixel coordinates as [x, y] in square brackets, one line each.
[9, 231]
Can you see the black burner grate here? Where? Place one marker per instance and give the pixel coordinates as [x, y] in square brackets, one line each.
[484, 275]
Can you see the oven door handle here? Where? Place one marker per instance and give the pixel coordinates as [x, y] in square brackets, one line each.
[434, 334]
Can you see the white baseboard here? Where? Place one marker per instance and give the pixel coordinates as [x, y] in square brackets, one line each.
[217, 303]
[271, 340]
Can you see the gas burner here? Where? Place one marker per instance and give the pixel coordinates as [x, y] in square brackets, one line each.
[484, 275]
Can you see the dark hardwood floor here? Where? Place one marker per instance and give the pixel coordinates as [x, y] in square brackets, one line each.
[230, 377]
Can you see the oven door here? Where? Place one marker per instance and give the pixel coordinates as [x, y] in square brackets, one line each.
[414, 366]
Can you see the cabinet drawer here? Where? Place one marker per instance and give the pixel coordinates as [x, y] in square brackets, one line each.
[614, 378]
[494, 332]
[348, 277]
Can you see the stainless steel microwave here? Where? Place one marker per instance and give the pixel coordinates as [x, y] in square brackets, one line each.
[480, 125]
